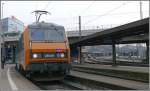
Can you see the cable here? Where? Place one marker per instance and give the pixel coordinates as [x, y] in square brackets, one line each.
[87, 8]
[36, 5]
[123, 13]
[106, 13]
[47, 5]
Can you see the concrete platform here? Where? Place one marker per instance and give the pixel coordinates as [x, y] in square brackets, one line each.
[110, 80]
[122, 68]
[10, 79]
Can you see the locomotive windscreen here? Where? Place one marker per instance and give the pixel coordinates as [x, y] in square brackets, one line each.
[45, 34]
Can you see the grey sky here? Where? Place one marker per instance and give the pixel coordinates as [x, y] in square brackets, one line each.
[93, 13]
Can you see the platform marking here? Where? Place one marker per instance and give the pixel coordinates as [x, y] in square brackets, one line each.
[12, 84]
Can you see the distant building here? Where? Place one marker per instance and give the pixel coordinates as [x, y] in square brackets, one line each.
[11, 24]
[11, 29]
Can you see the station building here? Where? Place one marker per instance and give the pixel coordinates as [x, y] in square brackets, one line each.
[10, 29]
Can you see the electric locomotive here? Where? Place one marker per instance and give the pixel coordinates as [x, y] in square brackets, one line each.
[43, 48]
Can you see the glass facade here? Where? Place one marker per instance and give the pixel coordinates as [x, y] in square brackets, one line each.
[11, 24]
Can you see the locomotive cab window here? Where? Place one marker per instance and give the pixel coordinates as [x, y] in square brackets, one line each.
[37, 34]
[47, 34]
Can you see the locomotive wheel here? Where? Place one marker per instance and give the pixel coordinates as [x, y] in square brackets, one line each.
[28, 75]
[67, 71]
[21, 70]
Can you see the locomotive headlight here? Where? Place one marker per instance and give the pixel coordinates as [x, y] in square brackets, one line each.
[62, 55]
[35, 55]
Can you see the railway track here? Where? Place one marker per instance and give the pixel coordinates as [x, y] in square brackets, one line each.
[55, 85]
[48, 83]
[77, 81]
[86, 84]
[70, 83]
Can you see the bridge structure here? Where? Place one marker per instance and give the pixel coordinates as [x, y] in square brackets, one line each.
[134, 32]
[74, 35]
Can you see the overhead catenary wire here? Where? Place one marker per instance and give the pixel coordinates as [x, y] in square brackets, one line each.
[46, 6]
[122, 13]
[89, 6]
[75, 17]
[114, 9]
[93, 16]
[36, 5]
[73, 20]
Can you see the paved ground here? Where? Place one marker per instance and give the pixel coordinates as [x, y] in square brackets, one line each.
[111, 80]
[10, 79]
[4, 84]
[124, 68]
